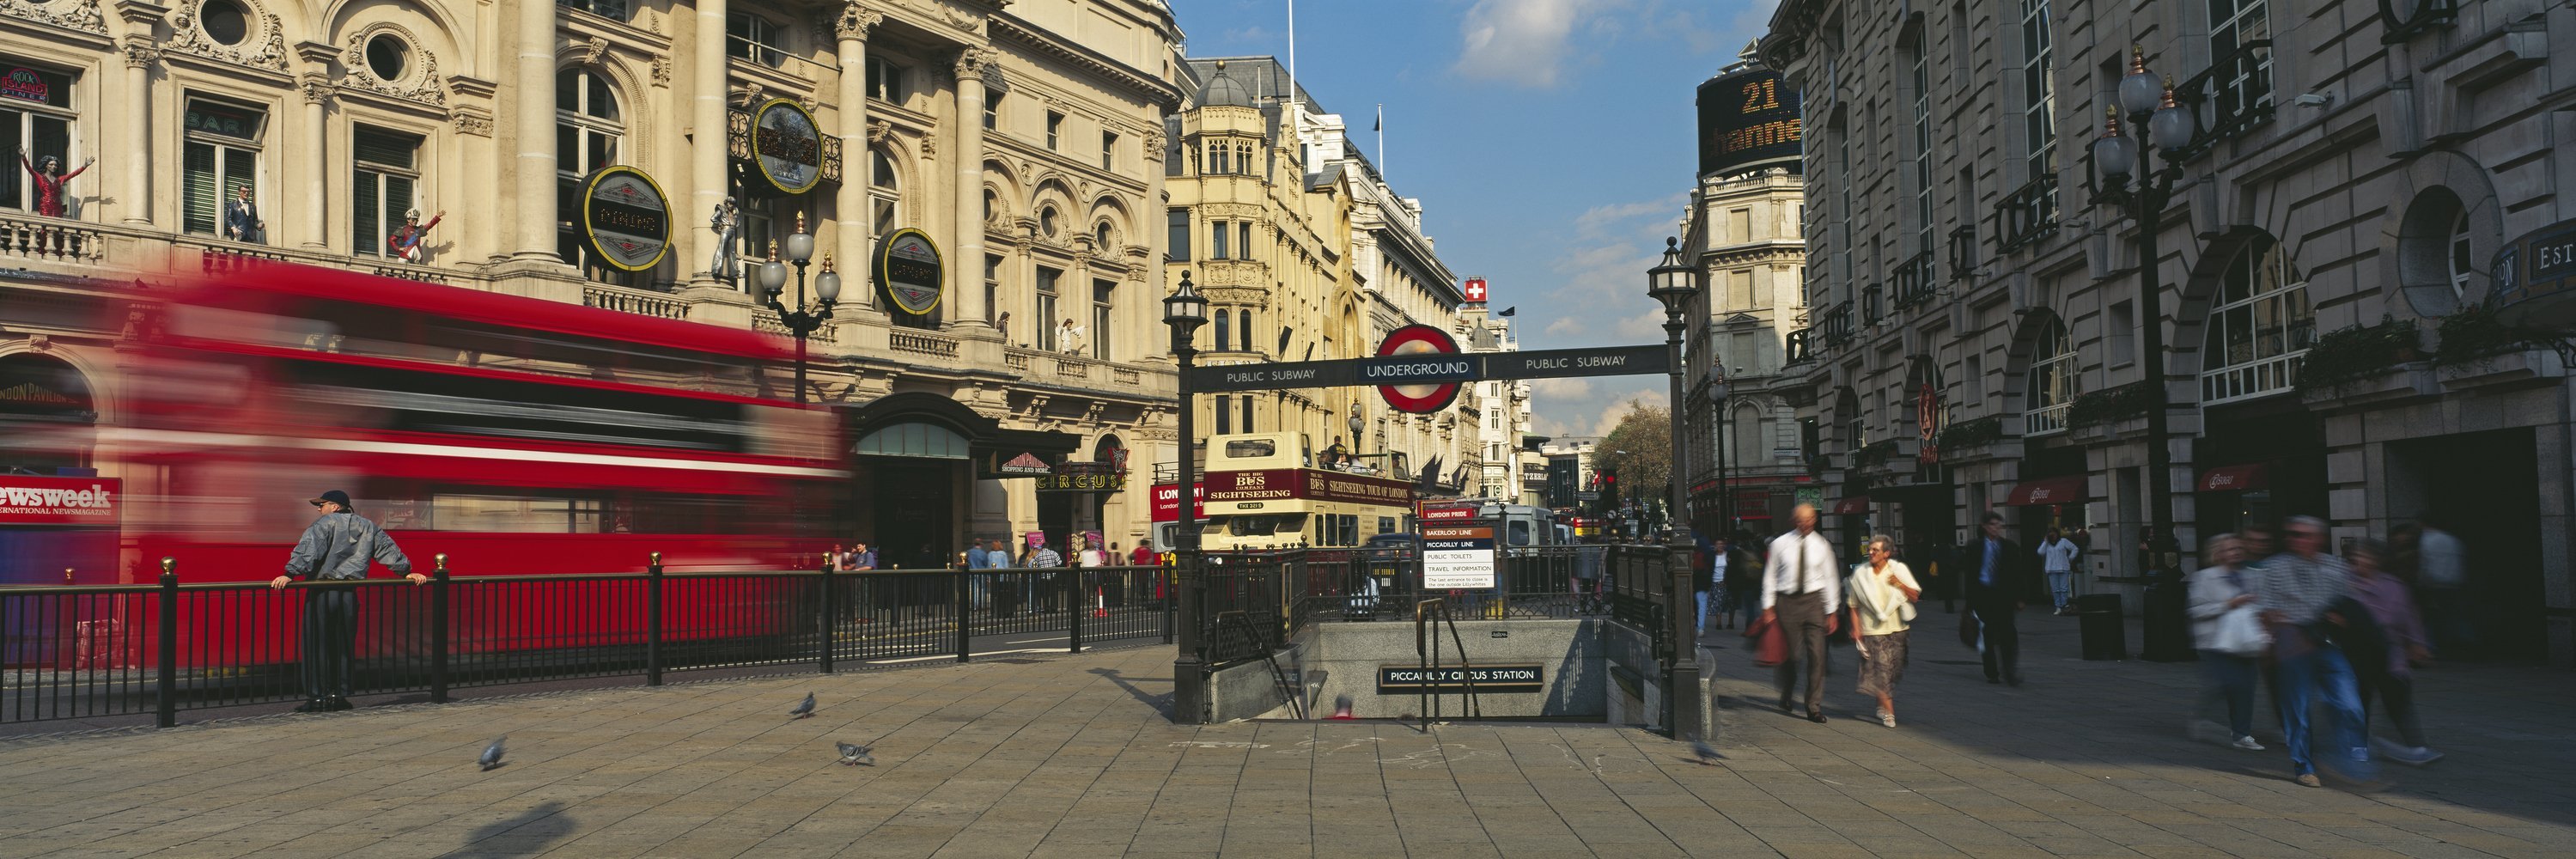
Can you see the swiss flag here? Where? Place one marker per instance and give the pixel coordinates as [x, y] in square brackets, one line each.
[1475, 289]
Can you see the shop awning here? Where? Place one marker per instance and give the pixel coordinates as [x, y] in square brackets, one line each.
[2233, 478]
[2052, 490]
[1853, 505]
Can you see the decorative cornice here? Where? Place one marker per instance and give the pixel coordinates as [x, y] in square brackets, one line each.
[82, 15]
[419, 82]
[471, 121]
[975, 61]
[315, 88]
[1156, 90]
[139, 52]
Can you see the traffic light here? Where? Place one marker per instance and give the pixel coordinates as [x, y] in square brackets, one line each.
[1609, 489]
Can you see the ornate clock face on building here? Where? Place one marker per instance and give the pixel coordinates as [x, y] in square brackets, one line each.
[787, 146]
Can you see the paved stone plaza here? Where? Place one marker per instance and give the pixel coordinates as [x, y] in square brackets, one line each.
[1070, 756]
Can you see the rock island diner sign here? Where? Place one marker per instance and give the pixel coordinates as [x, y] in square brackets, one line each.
[909, 270]
[626, 218]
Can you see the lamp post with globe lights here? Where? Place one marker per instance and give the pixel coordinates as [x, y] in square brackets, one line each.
[1674, 283]
[1184, 311]
[800, 322]
[2124, 178]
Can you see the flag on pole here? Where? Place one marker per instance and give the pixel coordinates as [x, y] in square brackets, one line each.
[1380, 125]
[1509, 310]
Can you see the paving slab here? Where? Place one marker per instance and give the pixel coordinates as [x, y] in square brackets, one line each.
[1070, 756]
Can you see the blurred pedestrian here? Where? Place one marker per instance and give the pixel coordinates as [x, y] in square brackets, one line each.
[1703, 580]
[1995, 585]
[1727, 565]
[1883, 592]
[2296, 588]
[2255, 541]
[1743, 584]
[2392, 678]
[2442, 581]
[1802, 592]
[1046, 587]
[336, 548]
[2057, 557]
[2226, 628]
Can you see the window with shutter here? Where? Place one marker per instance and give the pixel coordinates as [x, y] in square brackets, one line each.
[382, 186]
[220, 158]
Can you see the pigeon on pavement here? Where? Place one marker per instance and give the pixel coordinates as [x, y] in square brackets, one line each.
[805, 709]
[1708, 756]
[491, 758]
[855, 754]
[1342, 707]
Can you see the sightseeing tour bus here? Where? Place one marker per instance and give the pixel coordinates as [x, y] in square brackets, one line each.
[1262, 491]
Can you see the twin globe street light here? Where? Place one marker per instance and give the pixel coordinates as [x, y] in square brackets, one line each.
[1674, 283]
[2154, 118]
[772, 278]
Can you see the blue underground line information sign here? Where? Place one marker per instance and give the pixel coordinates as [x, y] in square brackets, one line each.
[1430, 368]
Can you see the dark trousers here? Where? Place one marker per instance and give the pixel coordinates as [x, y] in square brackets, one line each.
[2002, 652]
[330, 641]
[2398, 694]
[1802, 622]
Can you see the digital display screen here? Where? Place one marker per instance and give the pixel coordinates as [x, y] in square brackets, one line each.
[1746, 121]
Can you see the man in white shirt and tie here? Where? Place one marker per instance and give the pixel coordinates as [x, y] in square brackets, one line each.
[1802, 591]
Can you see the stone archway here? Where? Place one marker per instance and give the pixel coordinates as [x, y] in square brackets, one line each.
[47, 412]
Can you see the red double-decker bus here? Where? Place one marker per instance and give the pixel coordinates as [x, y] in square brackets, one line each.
[516, 435]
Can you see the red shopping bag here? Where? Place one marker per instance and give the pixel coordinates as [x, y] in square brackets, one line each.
[1770, 646]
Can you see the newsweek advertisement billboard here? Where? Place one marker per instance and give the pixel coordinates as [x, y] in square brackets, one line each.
[26, 500]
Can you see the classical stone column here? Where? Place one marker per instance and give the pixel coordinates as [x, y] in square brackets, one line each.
[966, 268]
[313, 216]
[707, 180]
[139, 54]
[855, 234]
[536, 130]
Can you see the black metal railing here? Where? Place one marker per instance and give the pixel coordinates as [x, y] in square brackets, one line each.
[1801, 346]
[2028, 215]
[1282, 593]
[1837, 326]
[126, 650]
[2231, 97]
[1917, 281]
[1873, 304]
[1963, 252]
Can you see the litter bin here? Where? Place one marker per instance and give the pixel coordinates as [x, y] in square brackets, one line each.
[2104, 632]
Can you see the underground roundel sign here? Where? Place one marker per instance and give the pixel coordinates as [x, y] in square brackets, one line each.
[1418, 340]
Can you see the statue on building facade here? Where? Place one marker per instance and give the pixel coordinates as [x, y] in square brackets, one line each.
[726, 266]
[241, 219]
[50, 178]
[405, 241]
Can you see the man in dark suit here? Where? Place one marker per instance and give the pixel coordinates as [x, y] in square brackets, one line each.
[1995, 573]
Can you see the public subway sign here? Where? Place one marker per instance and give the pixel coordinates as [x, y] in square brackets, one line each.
[1412, 679]
[1446, 369]
[26, 500]
[787, 146]
[1748, 120]
[626, 218]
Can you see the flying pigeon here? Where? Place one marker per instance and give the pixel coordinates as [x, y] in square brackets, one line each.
[855, 754]
[805, 709]
[1708, 756]
[491, 758]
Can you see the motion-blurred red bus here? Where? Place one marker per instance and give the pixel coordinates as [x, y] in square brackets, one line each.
[517, 435]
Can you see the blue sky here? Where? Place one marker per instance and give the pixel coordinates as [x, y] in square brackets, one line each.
[1550, 142]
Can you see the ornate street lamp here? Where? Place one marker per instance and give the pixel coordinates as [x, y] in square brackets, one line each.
[2118, 157]
[1356, 424]
[1184, 311]
[802, 321]
[1725, 493]
[1674, 283]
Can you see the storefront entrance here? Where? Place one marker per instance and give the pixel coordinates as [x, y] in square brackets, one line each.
[2484, 488]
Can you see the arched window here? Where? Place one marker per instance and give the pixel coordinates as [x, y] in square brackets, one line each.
[1224, 333]
[2259, 329]
[1218, 161]
[588, 131]
[885, 193]
[1100, 237]
[1243, 158]
[2436, 264]
[1246, 330]
[2052, 387]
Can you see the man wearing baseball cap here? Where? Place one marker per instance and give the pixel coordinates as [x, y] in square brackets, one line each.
[337, 548]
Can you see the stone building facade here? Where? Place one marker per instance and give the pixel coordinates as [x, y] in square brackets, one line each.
[1975, 339]
[1026, 140]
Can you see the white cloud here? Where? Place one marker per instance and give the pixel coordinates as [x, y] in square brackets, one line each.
[1566, 326]
[1521, 42]
[1570, 389]
[1644, 326]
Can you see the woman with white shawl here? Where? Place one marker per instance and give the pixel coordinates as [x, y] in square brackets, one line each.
[1881, 593]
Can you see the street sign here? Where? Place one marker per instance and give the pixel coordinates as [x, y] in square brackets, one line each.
[1353, 372]
[1427, 360]
[1414, 679]
[1457, 558]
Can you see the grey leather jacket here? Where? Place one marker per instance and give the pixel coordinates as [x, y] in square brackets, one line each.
[339, 545]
